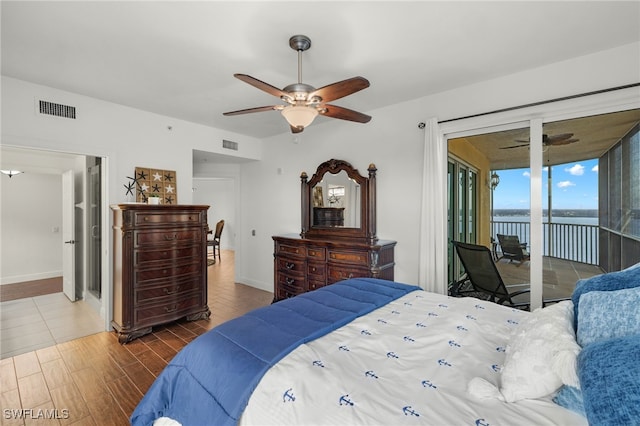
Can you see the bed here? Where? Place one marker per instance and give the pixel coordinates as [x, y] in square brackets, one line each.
[370, 351]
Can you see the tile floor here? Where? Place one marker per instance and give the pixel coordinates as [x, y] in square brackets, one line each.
[37, 322]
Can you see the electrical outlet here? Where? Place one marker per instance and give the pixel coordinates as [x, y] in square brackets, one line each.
[55, 229]
[253, 232]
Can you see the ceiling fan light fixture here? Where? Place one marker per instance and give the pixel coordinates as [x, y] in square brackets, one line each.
[299, 115]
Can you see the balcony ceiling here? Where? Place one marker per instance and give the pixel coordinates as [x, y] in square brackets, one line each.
[596, 135]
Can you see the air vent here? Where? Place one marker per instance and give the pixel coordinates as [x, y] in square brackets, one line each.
[230, 144]
[58, 110]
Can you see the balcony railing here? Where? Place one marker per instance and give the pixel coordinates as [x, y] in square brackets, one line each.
[578, 243]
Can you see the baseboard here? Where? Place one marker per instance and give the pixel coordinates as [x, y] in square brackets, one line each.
[30, 277]
[261, 285]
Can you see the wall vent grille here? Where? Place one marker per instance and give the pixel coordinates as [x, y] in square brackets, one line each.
[230, 145]
[58, 110]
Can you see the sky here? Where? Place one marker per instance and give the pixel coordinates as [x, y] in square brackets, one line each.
[574, 186]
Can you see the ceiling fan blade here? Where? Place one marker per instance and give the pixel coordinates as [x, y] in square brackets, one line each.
[296, 129]
[265, 87]
[344, 114]
[257, 109]
[563, 142]
[513, 146]
[559, 137]
[340, 89]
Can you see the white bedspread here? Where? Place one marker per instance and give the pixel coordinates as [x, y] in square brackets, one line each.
[406, 363]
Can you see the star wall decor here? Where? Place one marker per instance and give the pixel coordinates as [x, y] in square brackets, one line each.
[154, 181]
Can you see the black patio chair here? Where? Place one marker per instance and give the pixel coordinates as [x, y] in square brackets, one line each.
[512, 248]
[482, 279]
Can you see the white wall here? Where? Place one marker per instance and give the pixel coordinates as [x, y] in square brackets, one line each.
[31, 223]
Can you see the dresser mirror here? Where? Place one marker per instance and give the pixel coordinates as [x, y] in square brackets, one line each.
[338, 202]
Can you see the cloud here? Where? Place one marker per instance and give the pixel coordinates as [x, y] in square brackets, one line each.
[576, 170]
[526, 174]
[565, 184]
[595, 169]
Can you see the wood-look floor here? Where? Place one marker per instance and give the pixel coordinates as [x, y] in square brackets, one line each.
[30, 289]
[95, 380]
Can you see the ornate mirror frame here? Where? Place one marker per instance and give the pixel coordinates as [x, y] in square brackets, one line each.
[367, 230]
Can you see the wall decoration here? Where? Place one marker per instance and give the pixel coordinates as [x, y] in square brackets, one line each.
[149, 181]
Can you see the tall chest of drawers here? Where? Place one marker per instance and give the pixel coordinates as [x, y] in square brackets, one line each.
[159, 266]
[302, 264]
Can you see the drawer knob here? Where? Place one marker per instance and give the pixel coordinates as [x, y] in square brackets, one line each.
[290, 280]
[173, 308]
[171, 237]
[289, 265]
[146, 218]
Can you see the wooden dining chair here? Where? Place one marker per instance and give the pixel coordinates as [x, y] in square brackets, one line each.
[215, 241]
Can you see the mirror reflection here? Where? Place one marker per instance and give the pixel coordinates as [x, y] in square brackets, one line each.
[336, 202]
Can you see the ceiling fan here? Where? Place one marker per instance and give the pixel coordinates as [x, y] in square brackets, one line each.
[303, 102]
[548, 140]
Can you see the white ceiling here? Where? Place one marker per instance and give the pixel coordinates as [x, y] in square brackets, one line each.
[178, 58]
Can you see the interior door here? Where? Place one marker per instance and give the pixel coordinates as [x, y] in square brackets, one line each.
[68, 236]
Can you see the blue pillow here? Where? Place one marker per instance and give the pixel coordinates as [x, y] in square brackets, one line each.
[609, 373]
[608, 314]
[627, 278]
[571, 399]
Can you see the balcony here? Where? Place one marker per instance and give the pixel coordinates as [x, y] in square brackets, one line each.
[570, 253]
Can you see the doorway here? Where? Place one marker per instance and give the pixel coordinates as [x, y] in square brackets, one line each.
[33, 237]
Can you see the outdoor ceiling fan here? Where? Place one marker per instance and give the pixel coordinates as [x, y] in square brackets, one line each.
[303, 102]
[547, 140]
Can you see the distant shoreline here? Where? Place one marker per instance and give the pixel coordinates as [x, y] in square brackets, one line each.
[554, 212]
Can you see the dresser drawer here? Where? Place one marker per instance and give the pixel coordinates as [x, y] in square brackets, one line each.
[314, 285]
[170, 310]
[350, 257]
[167, 254]
[144, 276]
[170, 236]
[336, 273]
[293, 283]
[316, 271]
[285, 292]
[316, 253]
[291, 250]
[165, 218]
[158, 293]
[290, 265]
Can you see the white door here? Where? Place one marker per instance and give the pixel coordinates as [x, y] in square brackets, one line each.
[68, 235]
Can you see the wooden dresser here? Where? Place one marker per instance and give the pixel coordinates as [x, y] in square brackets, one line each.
[335, 243]
[303, 265]
[159, 266]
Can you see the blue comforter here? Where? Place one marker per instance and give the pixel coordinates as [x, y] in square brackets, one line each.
[211, 380]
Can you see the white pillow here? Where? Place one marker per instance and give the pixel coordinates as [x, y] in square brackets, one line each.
[541, 354]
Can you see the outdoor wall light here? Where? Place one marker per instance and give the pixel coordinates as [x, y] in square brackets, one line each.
[10, 173]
